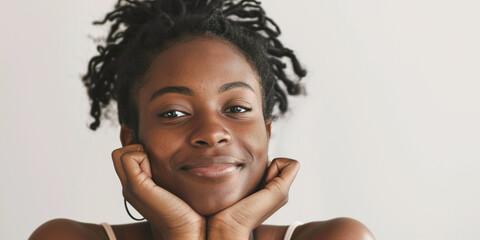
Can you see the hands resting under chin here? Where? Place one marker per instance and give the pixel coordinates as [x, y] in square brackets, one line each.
[172, 218]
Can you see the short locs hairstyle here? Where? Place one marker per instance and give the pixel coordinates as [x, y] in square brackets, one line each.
[139, 30]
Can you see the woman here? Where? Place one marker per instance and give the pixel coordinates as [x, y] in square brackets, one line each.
[196, 84]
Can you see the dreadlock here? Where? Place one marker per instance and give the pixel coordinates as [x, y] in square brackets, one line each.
[141, 29]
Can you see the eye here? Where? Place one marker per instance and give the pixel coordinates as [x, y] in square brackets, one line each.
[173, 114]
[237, 109]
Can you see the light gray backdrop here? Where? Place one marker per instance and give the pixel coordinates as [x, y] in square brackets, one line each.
[389, 133]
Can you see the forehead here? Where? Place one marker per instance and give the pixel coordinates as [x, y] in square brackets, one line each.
[202, 62]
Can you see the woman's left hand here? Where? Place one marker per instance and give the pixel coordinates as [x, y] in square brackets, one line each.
[239, 220]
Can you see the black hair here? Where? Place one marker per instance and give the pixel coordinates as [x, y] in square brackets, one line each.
[141, 29]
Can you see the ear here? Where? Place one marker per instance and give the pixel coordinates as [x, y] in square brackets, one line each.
[268, 125]
[127, 136]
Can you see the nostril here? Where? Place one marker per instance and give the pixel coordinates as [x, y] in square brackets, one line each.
[200, 142]
[222, 141]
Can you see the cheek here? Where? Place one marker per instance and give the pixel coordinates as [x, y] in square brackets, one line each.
[255, 141]
[258, 139]
[160, 147]
[257, 145]
[160, 143]
[158, 153]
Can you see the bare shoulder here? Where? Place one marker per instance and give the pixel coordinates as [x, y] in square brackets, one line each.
[68, 229]
[334, 229]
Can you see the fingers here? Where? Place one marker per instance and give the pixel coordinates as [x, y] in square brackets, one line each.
[133, 162]
[162, 209]
[133, 169]
[248, 212]
[284, 168]
[280, 176]
[129, 162]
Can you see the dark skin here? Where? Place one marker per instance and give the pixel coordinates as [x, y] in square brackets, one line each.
[199, 168]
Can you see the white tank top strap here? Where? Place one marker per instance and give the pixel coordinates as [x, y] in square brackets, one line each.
[290, 230]
[109, 231]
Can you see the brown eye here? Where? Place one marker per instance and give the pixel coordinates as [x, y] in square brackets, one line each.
[237, 109]
[172, 114]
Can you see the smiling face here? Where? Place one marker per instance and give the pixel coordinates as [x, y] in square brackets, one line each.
[200, 120]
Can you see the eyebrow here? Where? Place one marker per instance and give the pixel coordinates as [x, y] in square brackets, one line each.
[187, 91]
[228, 86]
[172, 89]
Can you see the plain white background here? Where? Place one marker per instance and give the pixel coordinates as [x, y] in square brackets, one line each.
[389, 132]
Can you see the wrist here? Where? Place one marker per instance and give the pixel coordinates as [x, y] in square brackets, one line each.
[222, 230]
[189, 233]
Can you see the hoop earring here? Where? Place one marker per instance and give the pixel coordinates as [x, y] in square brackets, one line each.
[129, 214]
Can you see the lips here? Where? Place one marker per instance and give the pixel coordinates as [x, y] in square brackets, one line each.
[212, 167]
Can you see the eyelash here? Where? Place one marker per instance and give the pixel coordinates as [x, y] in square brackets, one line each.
[175, 113]
[242, 109]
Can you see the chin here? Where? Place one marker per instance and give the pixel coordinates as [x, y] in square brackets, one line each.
[210, 196]
[210, 211]
[211, 205]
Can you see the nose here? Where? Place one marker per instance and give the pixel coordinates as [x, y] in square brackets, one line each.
[209, 131]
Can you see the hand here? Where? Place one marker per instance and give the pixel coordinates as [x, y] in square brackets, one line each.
[239, 220]
[169, 216]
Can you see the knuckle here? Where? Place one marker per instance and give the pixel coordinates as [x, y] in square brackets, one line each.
[133, 155]
[116, 153]
[290, 161]
[127, 149]
[286, 162]
[124, 158]
[139, 147]
[295, 163]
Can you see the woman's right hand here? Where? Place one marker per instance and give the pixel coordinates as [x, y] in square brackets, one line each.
[170, 216]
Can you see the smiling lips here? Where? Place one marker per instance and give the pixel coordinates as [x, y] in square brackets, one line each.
[212, 167]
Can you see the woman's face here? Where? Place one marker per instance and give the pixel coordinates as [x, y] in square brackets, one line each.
[201, 123]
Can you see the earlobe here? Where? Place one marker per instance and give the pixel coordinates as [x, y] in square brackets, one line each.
[127, 136]
[269, 128]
